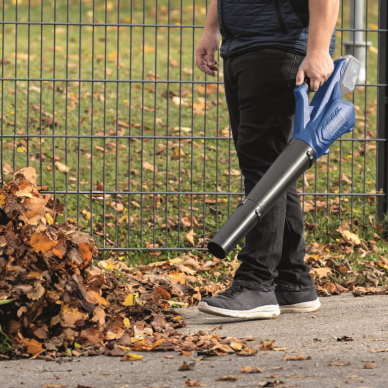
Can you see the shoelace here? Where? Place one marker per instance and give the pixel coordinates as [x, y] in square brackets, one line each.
[235, 289]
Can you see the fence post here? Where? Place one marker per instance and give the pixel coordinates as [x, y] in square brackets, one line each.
[356, 45]
[382, 118]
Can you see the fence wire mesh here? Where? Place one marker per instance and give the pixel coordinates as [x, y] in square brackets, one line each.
[104, 99]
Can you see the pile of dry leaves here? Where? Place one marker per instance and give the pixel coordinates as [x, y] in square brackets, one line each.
[55, 302]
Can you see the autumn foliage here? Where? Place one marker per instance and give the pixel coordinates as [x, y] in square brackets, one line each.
[55, 302]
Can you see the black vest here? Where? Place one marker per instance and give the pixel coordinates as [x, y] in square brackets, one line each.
[253, 24]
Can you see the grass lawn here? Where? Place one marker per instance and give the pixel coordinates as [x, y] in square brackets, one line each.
[141, 151]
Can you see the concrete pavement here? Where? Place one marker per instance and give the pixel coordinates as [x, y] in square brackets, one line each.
[332, 363]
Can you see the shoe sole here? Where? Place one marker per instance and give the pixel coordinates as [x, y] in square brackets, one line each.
[306, 307]
[263, 312]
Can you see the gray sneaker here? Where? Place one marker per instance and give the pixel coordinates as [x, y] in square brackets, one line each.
[298, 301]
[241, 302]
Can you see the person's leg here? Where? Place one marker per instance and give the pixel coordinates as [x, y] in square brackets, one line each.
[261, 116]
[295, 289]
[265, 80]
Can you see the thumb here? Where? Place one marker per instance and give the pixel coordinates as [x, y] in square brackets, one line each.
[300, 77]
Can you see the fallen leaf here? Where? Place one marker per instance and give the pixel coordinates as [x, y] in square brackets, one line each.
[62, 167]
[148, 167]
[267, 345]
[132, 357]
[41, 243]
[370, 365]
[229, 378]
[233, 172]
[339, 363]
[129, 300]
[251, 369]
[33, 346]
[187, 366]
[298, 357]
[349, 236]
[86, 253]
[190, 237]
[193, 383]
[378, 350]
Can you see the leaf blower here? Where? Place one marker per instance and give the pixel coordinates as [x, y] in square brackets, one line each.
[317, 125]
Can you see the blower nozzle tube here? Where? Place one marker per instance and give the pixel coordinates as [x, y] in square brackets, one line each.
[296, 158]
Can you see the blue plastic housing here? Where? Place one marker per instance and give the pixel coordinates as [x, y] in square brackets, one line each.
[328, 116]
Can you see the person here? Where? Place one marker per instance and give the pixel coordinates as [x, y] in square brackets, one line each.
[268, 48]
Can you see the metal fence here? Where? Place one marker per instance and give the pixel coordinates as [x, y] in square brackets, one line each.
[103, 98]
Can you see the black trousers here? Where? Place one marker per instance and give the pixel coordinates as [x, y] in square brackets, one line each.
[259, 91]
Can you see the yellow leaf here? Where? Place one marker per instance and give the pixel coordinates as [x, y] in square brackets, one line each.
[373, 49]
[129, 301]
[126, 322]
[21, 149]
[131, 357]
[373, 26]
[2, 199]
[49, 219]
[133, 340]
[124, 347]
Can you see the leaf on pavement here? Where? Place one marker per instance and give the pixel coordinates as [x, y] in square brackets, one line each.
[298, 357]
[339, 363]
[187, 366]
[229, 378]
[132, 357]
[251, 369]
[193, 383]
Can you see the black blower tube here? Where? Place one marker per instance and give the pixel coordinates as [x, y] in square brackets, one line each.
[296, 158]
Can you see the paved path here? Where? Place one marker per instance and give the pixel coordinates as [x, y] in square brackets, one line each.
[364, 319]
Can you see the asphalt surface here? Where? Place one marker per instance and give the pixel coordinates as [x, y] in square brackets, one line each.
[314, 335]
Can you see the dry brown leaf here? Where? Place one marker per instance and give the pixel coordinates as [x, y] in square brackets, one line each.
[187, 366]
[339, 363]
[33, 346]
[349, 236]
[119, 207]
[229, 378]
[70, 315]
[322, 272]
[28, 172]
[267, 345]
[233, 172]
[370, 365]
[190, 237]
[62, 167]
[41, 243]
[298, 357]
[193, 383]
[148, 166]
[86, 253]
[251, 369]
